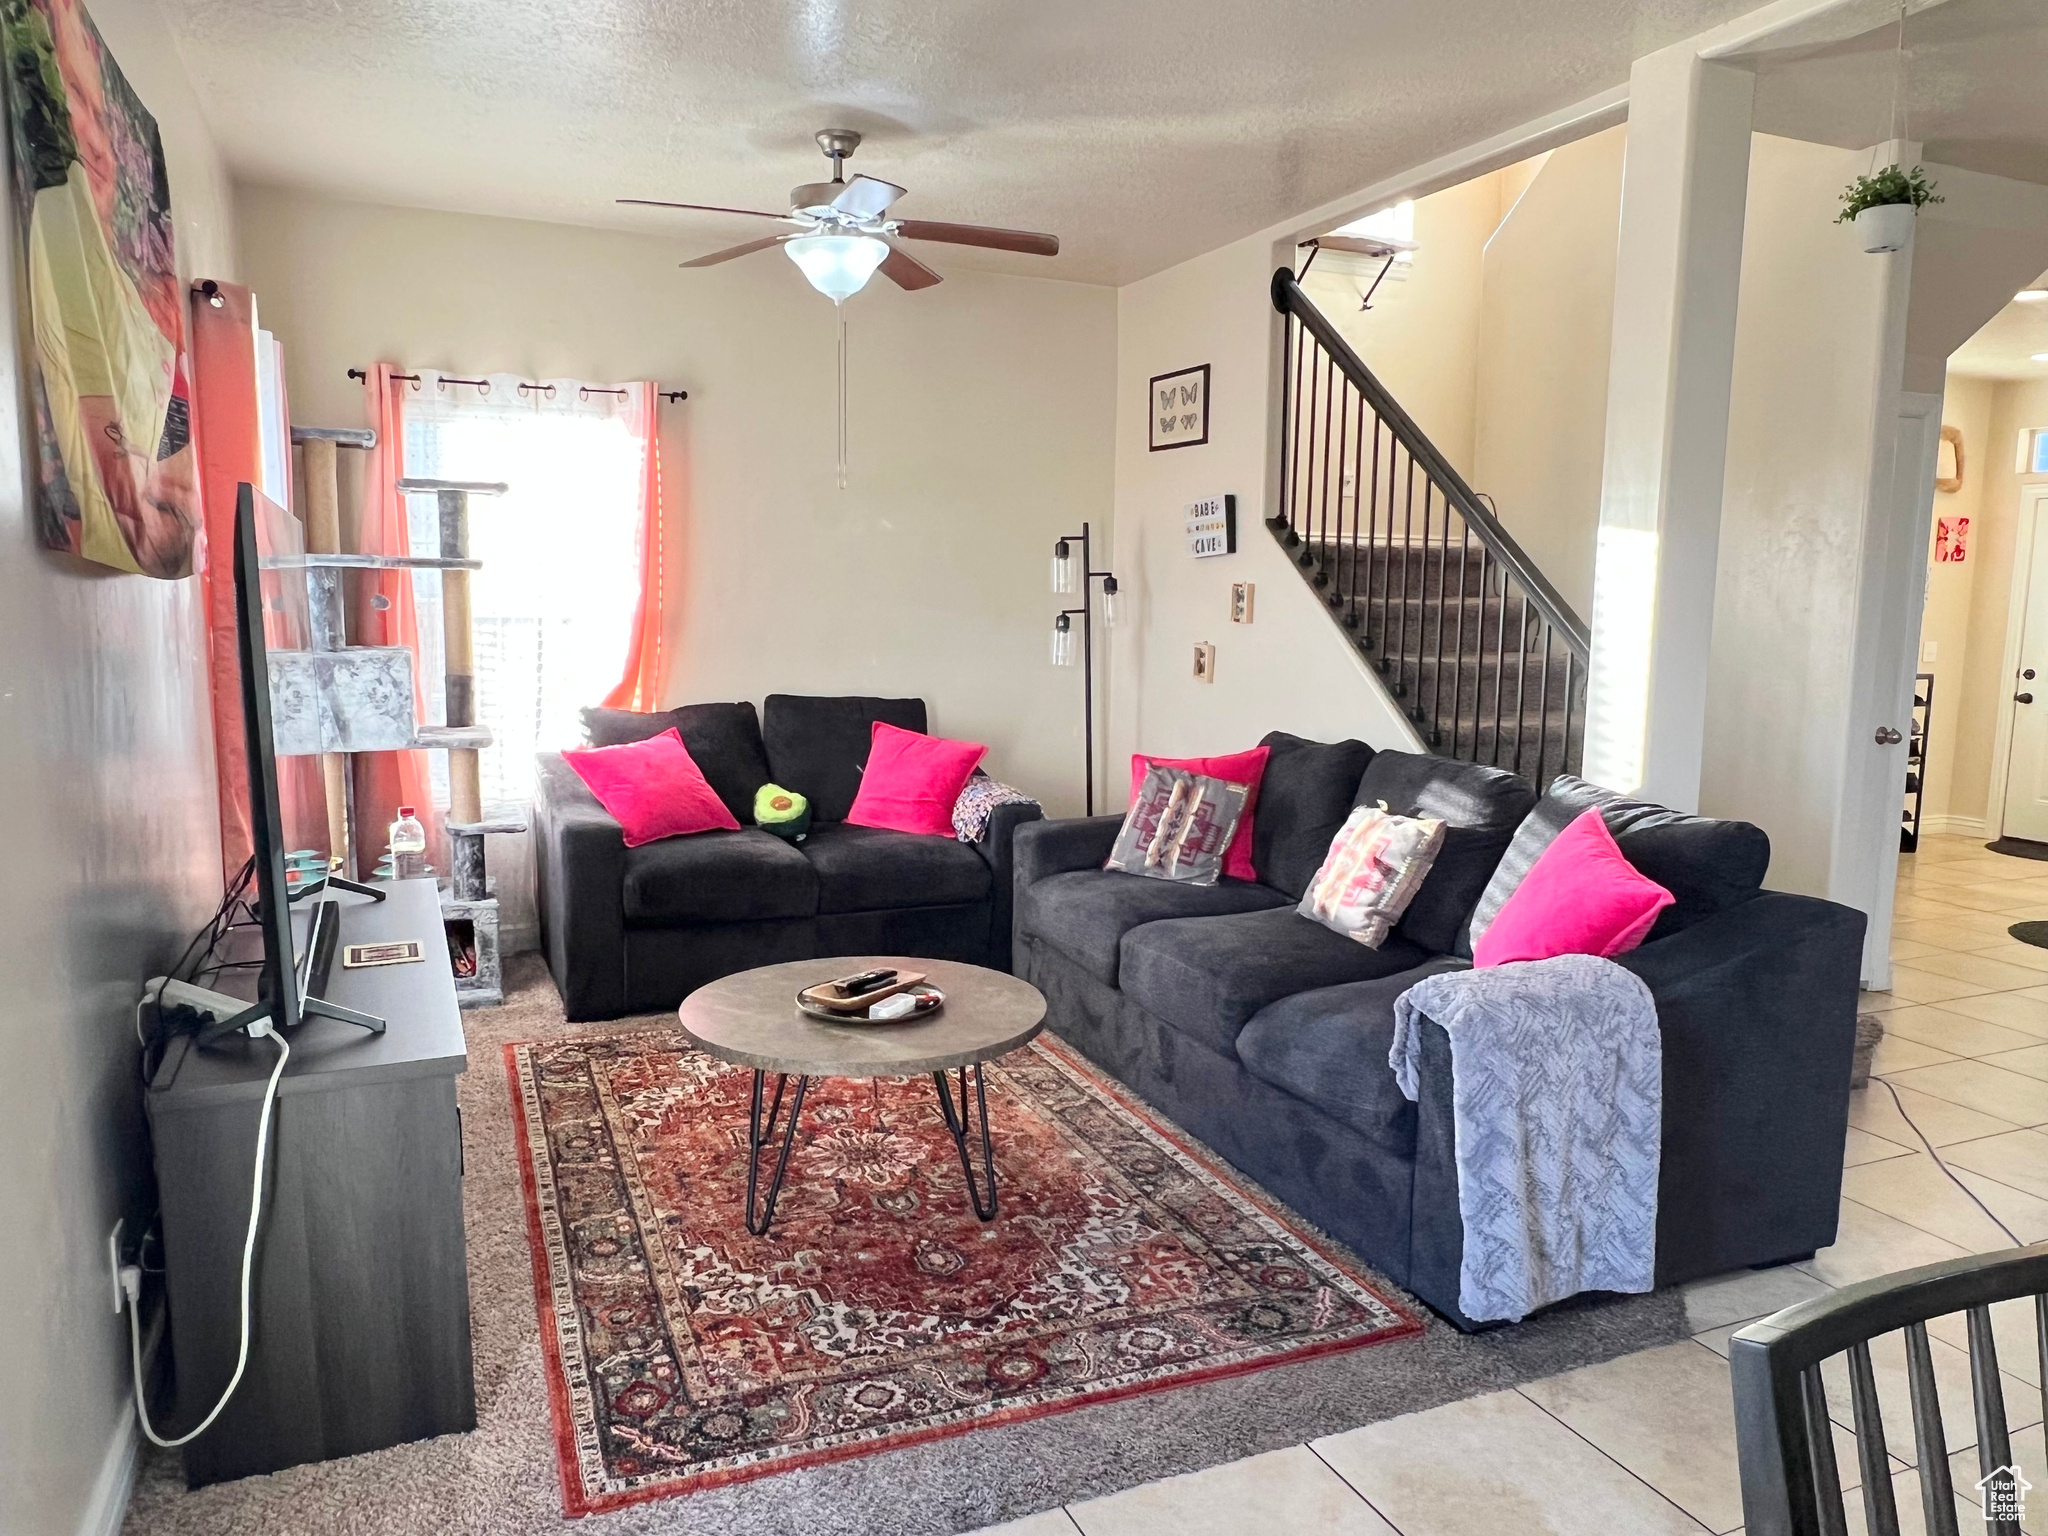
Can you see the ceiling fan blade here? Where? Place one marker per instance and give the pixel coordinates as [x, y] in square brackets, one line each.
[906, 271]
[738, 250]
[750, 213]
[981, 234]
[866, 197]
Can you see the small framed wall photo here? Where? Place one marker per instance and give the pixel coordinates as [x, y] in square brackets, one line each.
[1179, 408]
[1948, 461]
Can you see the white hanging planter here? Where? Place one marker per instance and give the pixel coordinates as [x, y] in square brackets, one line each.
[1886, 227]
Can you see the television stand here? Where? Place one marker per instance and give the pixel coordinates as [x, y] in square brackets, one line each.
[360, 1290]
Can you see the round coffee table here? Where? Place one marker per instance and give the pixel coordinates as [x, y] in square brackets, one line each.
[751, 1019]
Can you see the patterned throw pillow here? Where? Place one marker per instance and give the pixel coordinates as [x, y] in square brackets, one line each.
[1376, 863]
[1178, 827]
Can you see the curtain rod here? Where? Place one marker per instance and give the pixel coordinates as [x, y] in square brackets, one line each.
[549, 389]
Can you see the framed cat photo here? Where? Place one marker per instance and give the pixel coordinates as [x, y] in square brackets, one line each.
[1179, 409]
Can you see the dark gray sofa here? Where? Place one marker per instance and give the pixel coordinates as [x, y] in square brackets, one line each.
[1266, 1035]
[633, 930]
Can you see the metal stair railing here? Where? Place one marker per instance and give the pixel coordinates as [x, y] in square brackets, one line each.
[1477, 647]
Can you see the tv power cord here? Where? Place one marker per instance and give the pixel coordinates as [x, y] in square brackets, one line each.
[1944, 1167]
[131, 1274]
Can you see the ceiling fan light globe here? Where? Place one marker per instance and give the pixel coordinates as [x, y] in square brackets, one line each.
[838, 266]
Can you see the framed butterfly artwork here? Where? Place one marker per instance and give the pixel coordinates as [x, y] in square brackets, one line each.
[1178, 409]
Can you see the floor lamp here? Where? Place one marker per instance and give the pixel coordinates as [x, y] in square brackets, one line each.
[1068, 578]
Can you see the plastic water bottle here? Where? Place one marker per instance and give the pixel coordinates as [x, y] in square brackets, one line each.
[408, 846]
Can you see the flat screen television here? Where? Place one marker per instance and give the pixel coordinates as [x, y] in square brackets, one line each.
[271, 606]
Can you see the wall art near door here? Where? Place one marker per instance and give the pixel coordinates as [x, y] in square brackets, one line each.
[117, 477]
[1179, 408]
[1948, 461]
[1951, 540]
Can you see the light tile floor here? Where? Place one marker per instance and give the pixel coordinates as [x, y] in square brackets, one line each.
[1646, 1444]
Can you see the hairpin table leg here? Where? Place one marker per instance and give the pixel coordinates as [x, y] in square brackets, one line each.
[759, 1135]
[959, 1123]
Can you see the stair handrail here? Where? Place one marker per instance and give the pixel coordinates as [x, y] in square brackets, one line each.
[1290, 299]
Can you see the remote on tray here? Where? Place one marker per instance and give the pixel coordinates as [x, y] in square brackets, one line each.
[866, 981]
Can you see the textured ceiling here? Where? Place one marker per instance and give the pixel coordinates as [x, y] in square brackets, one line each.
[1140, 133]
[2009, 342]
[1975, 87]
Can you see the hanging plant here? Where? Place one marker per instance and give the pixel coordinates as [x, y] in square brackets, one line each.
[1890, 186]
[1884, 204]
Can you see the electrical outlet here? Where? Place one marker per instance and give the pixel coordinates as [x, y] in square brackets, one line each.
[1205, 662]
[114, 1265]
[1241, 602]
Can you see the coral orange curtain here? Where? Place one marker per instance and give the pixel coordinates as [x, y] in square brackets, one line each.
[227, 435]
[640, 687]
[387, 615]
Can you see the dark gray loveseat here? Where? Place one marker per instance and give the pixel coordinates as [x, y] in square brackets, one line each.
[1266, 1035]
[632, 930]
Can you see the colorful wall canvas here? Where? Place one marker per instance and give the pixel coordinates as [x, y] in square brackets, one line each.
[118, 476]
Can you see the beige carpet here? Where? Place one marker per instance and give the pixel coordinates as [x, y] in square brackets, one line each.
[500, 1480]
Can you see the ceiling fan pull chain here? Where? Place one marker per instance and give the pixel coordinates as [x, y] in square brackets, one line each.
[840, 309]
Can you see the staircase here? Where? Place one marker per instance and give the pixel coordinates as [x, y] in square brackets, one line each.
[1475, 645]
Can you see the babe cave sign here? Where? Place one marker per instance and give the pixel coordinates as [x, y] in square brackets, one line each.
[1178, 408]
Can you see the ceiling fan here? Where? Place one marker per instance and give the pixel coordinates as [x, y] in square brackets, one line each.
[847, 234]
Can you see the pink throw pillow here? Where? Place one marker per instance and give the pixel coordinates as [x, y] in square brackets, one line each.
[653, 788]
[1245, 768]
[1581, 897]
[912, 781]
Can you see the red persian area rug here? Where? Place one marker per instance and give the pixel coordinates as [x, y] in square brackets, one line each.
[684, 1353]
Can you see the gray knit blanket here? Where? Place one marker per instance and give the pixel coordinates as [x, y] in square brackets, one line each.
[1558, 1104]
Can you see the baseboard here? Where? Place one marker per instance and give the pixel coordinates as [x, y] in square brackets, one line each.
[1960, 826]
[518, 938]
[107, 1508]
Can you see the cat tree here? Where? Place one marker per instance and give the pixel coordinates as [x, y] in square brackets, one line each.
[335, 699]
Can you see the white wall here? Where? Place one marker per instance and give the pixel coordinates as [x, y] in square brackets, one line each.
[1290, 669]
[1497, 339]
[1951, 585]
[1807, 334]
[107, 814]
[980, 419]
[1545, 324]
[1421, 338]
[1986, 239]
[1984, 690]
[1811, 360]
[1481, 377]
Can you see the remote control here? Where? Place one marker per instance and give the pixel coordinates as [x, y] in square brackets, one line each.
[866, 981]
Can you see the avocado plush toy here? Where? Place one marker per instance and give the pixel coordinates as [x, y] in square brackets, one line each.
[782, 811]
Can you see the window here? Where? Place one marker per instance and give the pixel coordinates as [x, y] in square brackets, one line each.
[1395, 223]
[2037, 461]
[553, 605]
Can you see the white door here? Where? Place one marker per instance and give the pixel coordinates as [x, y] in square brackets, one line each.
[1864, 865]
[2026, 774]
